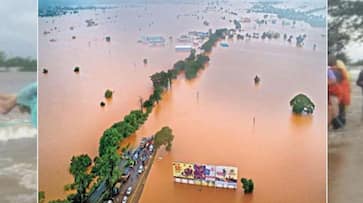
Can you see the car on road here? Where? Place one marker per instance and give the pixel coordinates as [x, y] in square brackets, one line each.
[129, 191]
[124, 199]
[151, 148]
[116, 189]
[141, 169]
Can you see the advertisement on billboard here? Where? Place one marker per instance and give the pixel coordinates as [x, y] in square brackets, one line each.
[226, 177]
[183, 170]
[206, 175]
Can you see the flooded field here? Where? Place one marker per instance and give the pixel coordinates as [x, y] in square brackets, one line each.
[283, 154]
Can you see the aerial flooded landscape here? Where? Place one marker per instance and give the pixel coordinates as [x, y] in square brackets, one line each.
[182, 101]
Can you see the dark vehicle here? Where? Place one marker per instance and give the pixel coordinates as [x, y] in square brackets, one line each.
[116, 189]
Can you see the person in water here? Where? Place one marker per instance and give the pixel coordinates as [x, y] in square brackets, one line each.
[26, 99]
[340, 89]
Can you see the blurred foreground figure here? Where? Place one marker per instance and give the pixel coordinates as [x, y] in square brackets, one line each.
[360, 84]
[26, 99]
[338, 92]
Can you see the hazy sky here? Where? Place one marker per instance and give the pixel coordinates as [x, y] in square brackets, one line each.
[18, 28]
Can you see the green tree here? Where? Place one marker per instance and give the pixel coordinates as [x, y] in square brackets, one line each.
[109, 141]
[107, 167]
[301, 103]
[164, 137]
[108, 94]
[82, 179]
[41, 197]
[345, 25]
[247, 185]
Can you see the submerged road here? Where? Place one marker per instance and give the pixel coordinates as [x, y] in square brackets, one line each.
[345, 155]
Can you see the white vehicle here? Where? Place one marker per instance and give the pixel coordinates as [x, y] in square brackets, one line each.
[151, 148]
[124, 199]
[129, 191]
[141, 169]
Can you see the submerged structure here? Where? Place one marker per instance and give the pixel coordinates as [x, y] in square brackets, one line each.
[206, 175]
[257, 80]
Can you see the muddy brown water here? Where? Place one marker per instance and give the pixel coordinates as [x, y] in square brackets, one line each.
[285, 155]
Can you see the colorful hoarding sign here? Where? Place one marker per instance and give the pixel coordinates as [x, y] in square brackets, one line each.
[183, 170]
[206, 175]
[226, 176]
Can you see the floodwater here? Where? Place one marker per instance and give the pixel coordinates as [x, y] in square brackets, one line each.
[18, 145]
[285, 155]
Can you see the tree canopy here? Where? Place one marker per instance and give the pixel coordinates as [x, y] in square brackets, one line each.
[26, 64]
[247, 185]
[82, 179]
[345, 25]
[164, 137]
[301, 103]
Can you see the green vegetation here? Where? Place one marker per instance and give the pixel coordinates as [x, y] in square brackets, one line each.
[41, 196]
[218, 35]
[82, 179]
[108, 94]
[164, 137]
[76, 69]
[193, 66]
[247, 185]
[301, 103]
[25, 64]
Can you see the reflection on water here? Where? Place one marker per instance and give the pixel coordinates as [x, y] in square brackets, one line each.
[301, 121]
[211, 116]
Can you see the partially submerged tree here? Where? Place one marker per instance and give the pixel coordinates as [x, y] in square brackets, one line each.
[302, 104]
[164, 137]
[82, 179]
[76, 69]
[41, 196]
[108, 94]
[247, 185]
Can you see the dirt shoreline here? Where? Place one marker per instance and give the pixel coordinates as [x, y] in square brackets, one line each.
[345, 154]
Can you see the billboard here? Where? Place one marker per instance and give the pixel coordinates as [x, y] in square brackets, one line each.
[226, 176]
[206, 175]
[183, 170]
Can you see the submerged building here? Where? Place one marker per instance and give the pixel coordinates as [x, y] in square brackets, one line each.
[183, 47]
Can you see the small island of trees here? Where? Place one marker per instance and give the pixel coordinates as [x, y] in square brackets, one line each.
[247, 185]
[302, 104]
[76, 69]
[108, 94]
[164, 137]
